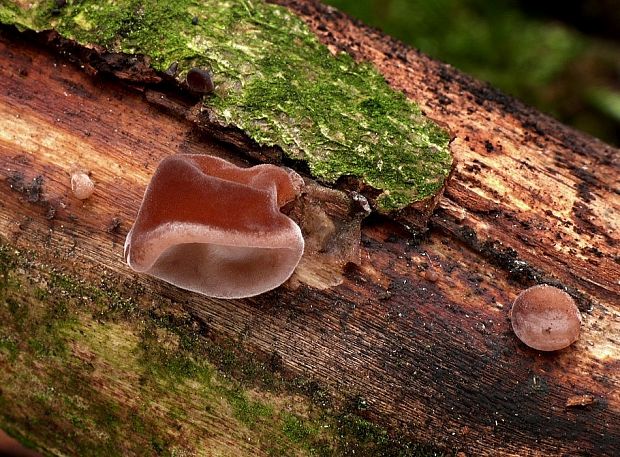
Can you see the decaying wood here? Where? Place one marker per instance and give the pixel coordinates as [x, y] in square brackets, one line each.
[530, 201]
[518, 171]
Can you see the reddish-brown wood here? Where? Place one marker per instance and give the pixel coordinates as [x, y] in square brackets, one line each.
[419, 329]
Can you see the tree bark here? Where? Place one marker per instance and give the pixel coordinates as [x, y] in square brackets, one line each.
[415, 357]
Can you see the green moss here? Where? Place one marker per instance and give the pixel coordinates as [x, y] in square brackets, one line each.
[7, 263]
[159, 446]
[366, 438]
[247, 411]
[8, 345]
[18, 310]
[9, 13]
[296, 429]
[161, 361]
[366, 432]
[275, 81]
[83, 381]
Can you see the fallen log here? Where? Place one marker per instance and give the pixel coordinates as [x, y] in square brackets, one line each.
[407, 349]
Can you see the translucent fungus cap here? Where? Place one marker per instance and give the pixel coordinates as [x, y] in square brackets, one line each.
[545, 318]
[81, 185]
[211, 227]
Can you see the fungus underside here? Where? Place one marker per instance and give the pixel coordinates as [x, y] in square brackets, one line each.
[275, 81]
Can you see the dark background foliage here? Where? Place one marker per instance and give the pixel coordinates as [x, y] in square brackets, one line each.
[562, 57]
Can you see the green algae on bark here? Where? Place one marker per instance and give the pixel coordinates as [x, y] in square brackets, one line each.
[275, 81]
[87, 370]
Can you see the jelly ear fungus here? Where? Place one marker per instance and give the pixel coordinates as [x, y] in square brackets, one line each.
[214, 228]
[545, 318]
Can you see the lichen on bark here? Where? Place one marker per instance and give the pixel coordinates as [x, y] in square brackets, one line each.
[275, 81]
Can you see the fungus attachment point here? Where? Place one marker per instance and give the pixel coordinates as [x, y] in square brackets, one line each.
[545, 318]
[211, 227]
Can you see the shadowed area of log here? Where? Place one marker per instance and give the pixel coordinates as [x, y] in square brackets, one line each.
[9, 447]
[435, 359]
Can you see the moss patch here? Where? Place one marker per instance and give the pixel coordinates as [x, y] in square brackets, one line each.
[275, 81]
[87, 371]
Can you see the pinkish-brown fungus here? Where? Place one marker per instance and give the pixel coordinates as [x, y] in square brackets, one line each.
[545, 318]
[211, 227]
[81, 185]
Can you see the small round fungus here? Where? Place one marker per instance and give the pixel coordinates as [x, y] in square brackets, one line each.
[211, 227]
[81, 185]
[545, 318]
[431, 275]
[199, 80]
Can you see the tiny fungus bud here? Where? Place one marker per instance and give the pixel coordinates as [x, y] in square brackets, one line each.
[81, 185]
[545, 318]
[211, 227]
[431, 275]
[199, 80]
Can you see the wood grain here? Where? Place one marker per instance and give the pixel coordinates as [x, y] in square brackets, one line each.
[531, 200]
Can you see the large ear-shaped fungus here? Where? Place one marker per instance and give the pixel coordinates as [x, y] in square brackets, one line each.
[211, 227]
